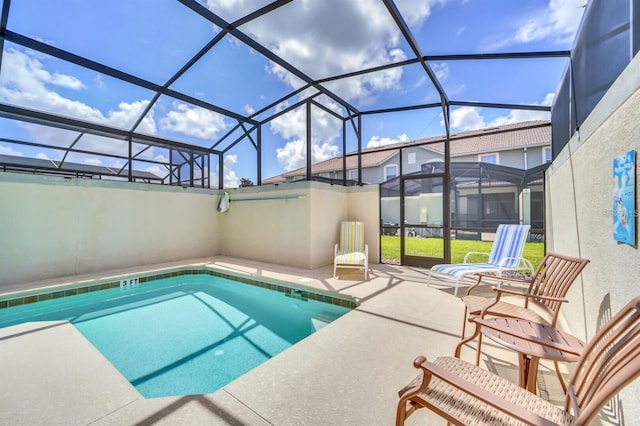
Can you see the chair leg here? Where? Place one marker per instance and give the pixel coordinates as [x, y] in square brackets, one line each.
[560, 378]
[401, 412]
[464, 322]
[478, 350]
[467, 340]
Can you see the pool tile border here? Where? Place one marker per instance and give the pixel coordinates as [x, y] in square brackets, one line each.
[289, 290]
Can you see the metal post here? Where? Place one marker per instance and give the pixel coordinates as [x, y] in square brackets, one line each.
[446, 197]
[308, 140]
[259, 154]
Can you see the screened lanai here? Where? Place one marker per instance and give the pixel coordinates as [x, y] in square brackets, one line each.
[469, 183]
[138, 115]
[203, 93]
[213, 93]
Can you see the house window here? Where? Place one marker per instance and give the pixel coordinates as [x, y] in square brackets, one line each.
[411, 158]
[353, 174]
[546, 154]
[390, 171]
[488, 158]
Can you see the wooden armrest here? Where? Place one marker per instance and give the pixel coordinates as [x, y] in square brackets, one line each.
[470, 289]
[497, 278]
[481, 276]
[515, 333]
[477, 392]
[528, 295]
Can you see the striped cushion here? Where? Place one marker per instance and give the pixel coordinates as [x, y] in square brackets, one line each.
[351, 259]
[508, 246]
[351, 237]
[508, 243]
[470, 411]
[459, 269]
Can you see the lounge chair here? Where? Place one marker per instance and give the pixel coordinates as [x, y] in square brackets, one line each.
[351, 252]
[546, 291]
[463, 393]
[505, 255]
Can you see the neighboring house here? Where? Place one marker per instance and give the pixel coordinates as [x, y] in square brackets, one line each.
[521, 145]
[504, 194]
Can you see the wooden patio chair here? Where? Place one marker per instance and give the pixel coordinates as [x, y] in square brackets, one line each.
[548, 286]
[463, 393]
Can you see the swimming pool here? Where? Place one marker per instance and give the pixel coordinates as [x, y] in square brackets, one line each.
[185, 335]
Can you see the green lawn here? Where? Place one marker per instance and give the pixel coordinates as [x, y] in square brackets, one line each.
[432, 247]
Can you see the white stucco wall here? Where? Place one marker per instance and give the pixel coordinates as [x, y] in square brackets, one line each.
[302, 231]
[55, 227]
[52, 226]
[579, 195]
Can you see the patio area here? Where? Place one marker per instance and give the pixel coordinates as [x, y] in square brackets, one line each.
[348, 372]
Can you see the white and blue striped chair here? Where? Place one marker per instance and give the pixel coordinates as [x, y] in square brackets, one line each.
[351, 251]
[505, 255]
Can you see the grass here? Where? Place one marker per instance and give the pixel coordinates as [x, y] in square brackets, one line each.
[432, 247]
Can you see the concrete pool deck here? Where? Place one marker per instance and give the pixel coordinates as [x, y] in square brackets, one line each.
[347, 373]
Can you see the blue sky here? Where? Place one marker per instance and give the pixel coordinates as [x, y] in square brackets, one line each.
[152, 39]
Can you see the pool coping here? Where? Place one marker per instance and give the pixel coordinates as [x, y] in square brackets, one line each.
[68, 289]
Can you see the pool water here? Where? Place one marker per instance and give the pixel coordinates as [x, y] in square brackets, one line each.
[185, 335]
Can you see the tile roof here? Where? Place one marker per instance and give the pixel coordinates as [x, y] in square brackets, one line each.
[369, 159]
[491, 139]
[511, 136]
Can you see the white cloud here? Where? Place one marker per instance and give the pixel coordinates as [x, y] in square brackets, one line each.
[193, 121]
[8, 150]
[320, 42]
[559, 21]
[311, 36]
[441, 69]
[93, 162]
[293, 154]
[25, 81]
[325, 130]
[520, 115]
[464, 119]
[376, 141]
[416, 12]
[42, 156]
[161, 158]
[230, 178]
[126, 114]
[157, 170]
[98, 79]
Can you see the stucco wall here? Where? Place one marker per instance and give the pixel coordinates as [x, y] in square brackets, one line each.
[299, 231]
[364, 205]
[579, 202]
[52, 226]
